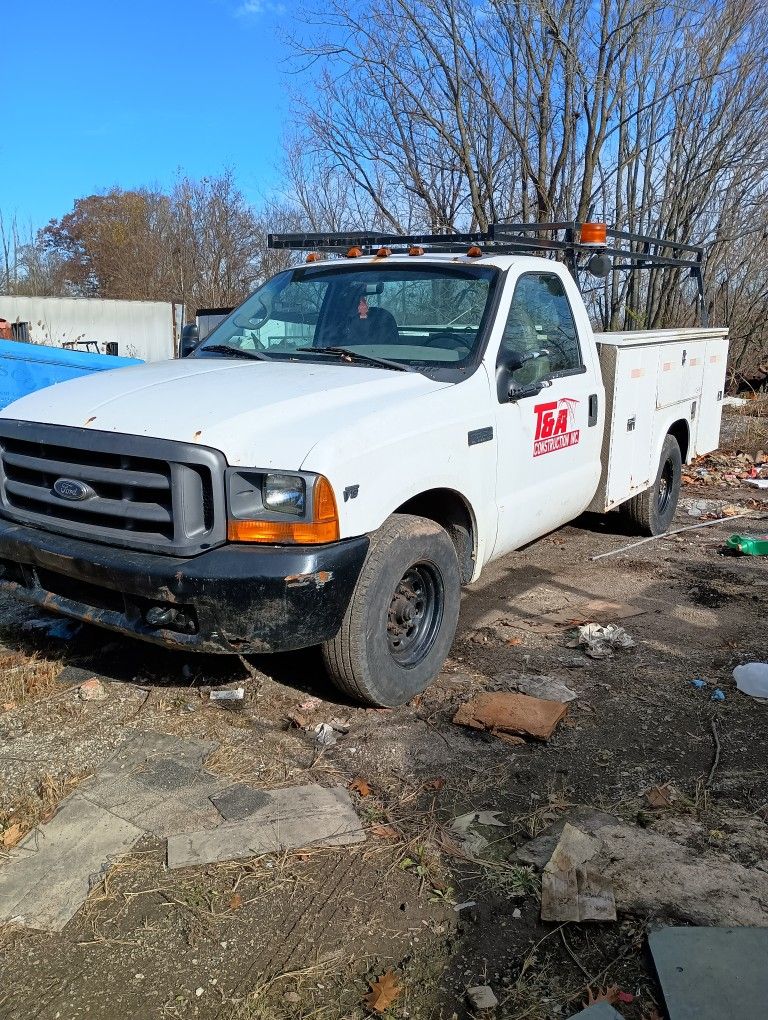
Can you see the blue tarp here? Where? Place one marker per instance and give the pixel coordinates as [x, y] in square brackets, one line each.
[25, 368]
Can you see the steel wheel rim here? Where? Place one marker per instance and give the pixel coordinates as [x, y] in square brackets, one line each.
[666, 483]
[415, 614]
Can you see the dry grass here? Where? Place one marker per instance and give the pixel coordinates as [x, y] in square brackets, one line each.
[25, 678]
[36, 808]
[238, 763]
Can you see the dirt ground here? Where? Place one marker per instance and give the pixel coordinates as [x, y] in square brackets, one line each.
[304, 934]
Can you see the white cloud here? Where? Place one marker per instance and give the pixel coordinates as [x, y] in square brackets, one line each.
[255, 8]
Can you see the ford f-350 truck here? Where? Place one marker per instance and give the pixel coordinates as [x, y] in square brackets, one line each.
[352, 445]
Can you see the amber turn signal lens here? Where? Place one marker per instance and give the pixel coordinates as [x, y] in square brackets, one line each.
[324, 526]
[474, 252]
[594, 233]
[314, 256]
[354, 253]
[415, 250]
[383, 253]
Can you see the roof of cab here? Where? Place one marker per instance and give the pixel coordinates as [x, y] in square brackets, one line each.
[442, 258]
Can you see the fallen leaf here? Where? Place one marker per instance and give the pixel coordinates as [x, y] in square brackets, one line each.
[435, 784]
[609, 995]
[660, 796]
[9, 705]
[360, 786]
[385, 831]
[12, 835]
[384, 991]
[514, 641]
[236, 901]
[297, 720]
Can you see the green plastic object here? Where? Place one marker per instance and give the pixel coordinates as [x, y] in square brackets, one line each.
[749, 545]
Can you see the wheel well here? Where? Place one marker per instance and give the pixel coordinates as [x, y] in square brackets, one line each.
[682, 434]
[447, 508]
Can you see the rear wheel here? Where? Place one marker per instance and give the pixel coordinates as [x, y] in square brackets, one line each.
[652, 511]
[402, 616]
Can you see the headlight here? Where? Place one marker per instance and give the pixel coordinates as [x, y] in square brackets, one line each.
[285, 494]
[280, 508]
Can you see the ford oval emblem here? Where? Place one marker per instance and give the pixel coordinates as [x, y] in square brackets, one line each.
[72, 489]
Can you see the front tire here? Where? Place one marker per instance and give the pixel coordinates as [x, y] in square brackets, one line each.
[652, 511]
[402, 617]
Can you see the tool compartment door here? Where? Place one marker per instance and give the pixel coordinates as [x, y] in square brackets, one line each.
[713, 387]
[631, 427]
[681, 369]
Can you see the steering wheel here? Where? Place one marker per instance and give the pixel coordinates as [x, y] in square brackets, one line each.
[447, 334]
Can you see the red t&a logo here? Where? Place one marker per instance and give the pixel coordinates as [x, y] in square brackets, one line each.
[554, 426]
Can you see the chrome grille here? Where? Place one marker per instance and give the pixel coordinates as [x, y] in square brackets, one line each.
[141, 493]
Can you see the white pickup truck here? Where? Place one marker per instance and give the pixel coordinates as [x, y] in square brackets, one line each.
[346, 450]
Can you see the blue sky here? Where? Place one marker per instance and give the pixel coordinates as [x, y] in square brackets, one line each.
[97, 94]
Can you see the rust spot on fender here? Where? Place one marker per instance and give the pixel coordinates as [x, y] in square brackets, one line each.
[318, 579]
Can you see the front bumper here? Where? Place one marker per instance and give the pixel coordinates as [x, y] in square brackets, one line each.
[236, 598]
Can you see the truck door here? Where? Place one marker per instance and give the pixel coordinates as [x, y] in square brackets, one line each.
[548, 462]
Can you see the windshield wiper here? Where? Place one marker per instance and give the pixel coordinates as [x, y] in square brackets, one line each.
[236, 352]
[345, 354]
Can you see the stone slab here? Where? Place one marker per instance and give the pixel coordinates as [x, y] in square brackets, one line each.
[239, 802]
[48, 875]
[711, 973]
[303, 816]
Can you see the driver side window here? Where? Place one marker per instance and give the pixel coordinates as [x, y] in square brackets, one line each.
[540, 318]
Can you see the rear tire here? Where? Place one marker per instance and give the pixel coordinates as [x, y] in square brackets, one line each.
[402, 617]
[651, 512]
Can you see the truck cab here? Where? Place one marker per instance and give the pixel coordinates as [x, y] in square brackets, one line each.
[342, 453]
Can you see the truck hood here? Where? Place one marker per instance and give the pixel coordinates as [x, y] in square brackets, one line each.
[262, 414]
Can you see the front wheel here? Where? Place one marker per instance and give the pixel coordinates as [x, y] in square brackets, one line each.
[652, 511]
[402, 616]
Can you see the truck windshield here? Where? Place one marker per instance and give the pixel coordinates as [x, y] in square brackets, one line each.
[424, 316]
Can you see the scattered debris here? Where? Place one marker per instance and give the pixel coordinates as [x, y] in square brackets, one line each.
[752, 679]
[458, 907]
[462, 828]
[384, 991]
[325, 735]
[91, 690]
[545, 687]
[506, 714]
[710, 973]
[569, 890]
[717, 695]
[653, 873]
[698, 683]
[757, 483]
[236, 694]
[748, 545]
[600, 642]
[310, 704]
[482, 997]
[11, 835]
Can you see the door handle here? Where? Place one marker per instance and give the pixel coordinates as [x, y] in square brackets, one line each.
[592, 420]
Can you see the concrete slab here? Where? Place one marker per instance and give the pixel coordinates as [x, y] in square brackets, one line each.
[144, 747]
[302, 816]
[600, 1011]
[239, 802]
[47, 876]
[711, 973]
[162, 797]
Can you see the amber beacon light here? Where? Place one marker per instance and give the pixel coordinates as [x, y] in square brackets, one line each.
[594, 233]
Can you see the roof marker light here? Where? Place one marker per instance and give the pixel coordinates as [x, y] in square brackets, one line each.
[314, 256]
[354, 253]
[383, 253]
[474, 251]
[415, 250]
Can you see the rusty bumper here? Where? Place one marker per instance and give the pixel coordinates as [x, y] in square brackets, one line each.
[236, 598]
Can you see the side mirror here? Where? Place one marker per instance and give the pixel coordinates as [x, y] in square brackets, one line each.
[506, 387]
[190, 339]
